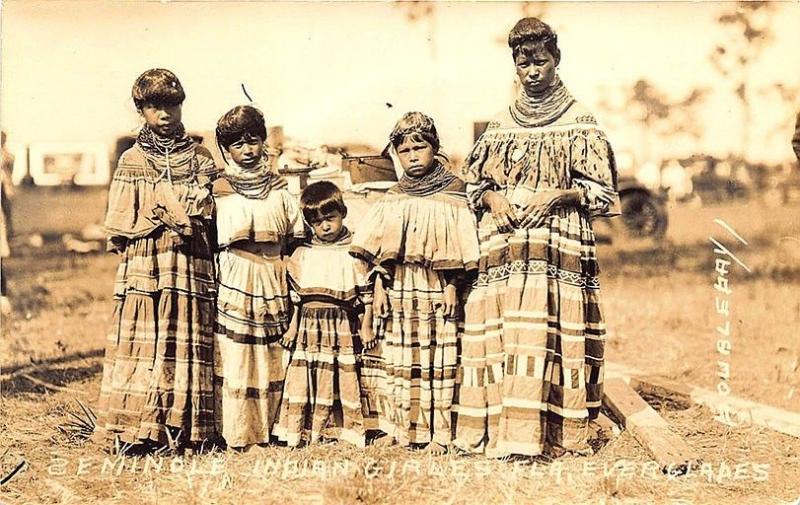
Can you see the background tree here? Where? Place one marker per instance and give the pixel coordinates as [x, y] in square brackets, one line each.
[660, 117]
[748, 31]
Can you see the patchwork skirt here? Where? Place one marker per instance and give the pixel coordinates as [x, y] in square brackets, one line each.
[414, 375]
[252, 315]
[158, 369]
[322, 395]
[531, 369]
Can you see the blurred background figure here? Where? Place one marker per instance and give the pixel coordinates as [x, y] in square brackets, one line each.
[649, 174]
[796, 138]
[7, 189]
[6, 192]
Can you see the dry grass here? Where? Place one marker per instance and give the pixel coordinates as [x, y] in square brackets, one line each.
[62, 472]
[659, 307]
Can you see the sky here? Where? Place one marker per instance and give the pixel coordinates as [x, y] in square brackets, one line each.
[327, 72]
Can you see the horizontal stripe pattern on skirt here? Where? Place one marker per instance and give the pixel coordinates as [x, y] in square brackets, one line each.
[415, 373]
[322, 394]
[253, 299]
[531, 368]
[250, 364]
[158, 370]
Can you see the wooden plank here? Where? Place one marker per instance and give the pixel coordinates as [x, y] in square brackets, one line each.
[648, 428]
[747, 411]
[741, 410]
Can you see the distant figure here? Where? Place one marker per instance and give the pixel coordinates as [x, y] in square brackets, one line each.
[649, 174]
[7, 187]
[675, 178]
[796, 138]
[6, 191]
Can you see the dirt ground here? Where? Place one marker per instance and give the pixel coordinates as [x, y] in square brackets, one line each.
[659, 302]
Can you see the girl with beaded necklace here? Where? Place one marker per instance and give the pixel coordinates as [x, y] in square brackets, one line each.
[422, 236]
[257, 221]
[157, 375]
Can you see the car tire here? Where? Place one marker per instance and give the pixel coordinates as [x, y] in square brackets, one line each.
[643, 215]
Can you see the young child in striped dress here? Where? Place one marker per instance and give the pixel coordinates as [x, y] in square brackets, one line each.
[423, 236]
[331, 325]
[257, 219]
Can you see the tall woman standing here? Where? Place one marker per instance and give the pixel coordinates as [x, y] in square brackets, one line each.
[532, 353]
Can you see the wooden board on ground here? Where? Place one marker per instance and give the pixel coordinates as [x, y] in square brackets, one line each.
[648, 428]
[740, 410]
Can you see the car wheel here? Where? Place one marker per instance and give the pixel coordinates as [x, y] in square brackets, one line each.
[643, 216]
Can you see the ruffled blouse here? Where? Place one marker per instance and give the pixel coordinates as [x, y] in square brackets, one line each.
[143, 197]
[273, 218]
[571, 152]
[328, 272]
[436, 231]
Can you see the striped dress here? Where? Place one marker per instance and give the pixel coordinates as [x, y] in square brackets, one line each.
[532, 352]
[410, 377]
[252, 309]
[322, 394]
[157, 375]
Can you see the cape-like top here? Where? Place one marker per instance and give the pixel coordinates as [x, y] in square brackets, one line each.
[326, 271]
[436, 231]
[573, 148]
[148, 191]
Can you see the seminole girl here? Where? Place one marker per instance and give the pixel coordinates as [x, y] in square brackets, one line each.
[157, 377]
[422, 235]
[257, 218]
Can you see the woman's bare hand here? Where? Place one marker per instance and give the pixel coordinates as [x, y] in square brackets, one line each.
[538, 207]
[502, 212]
[600, 193]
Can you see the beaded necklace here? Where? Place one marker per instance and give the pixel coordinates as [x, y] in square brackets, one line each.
[432, 182]
[542, 108]
[254, 183]
[168, 155]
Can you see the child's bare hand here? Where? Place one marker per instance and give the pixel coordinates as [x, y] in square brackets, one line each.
[380, 303]
[289, 338]
[367, 335]
[449, 301]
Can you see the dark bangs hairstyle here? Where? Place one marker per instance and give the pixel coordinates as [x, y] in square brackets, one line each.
[321, 198]
[241, 122]
[536, 31]
[157, 86]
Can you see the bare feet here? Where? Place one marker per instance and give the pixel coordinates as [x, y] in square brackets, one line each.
[384, 441]
[436, 448]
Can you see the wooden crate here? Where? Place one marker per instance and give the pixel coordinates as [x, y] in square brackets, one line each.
[366, 169]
